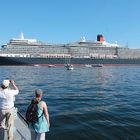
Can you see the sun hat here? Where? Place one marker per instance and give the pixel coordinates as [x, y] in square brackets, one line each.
[5, 83]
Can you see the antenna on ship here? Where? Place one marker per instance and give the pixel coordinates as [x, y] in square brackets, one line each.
[21, 36]
[83, 39]
[127, 44]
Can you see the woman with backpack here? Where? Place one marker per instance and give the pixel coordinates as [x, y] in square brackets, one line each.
[38, 117]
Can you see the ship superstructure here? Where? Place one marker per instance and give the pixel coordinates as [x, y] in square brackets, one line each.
[31, 48]
[81, 52]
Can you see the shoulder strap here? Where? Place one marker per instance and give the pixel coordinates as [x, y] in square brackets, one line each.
[42, 111]
[40, 103]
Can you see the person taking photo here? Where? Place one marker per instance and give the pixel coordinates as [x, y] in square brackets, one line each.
[7, 97]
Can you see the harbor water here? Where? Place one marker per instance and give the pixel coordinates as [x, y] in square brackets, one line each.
[85, 103]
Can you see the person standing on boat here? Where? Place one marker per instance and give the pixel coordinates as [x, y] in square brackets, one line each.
[7, 97]
[39, 128]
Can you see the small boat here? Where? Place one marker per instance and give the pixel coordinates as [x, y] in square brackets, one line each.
[87, 65]
[69, 67]
[36, 65]
[50, 66]
[97, 65]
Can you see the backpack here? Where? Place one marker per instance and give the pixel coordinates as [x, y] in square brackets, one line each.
[32, 112]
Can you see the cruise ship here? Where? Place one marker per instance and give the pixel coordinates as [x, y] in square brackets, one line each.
[24, 51]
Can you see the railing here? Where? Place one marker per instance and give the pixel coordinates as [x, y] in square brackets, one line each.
[22, 117]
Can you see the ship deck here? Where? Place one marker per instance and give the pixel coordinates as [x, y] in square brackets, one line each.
[21, 130]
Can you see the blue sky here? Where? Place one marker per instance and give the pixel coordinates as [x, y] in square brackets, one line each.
[63, 21]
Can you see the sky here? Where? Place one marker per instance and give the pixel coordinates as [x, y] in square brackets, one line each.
[65, 21]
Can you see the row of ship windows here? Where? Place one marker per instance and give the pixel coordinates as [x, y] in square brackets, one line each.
[58, 49]
[20, 48]
[51, 51]
[28, 50]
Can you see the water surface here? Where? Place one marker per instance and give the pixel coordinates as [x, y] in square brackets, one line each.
[84, 104]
